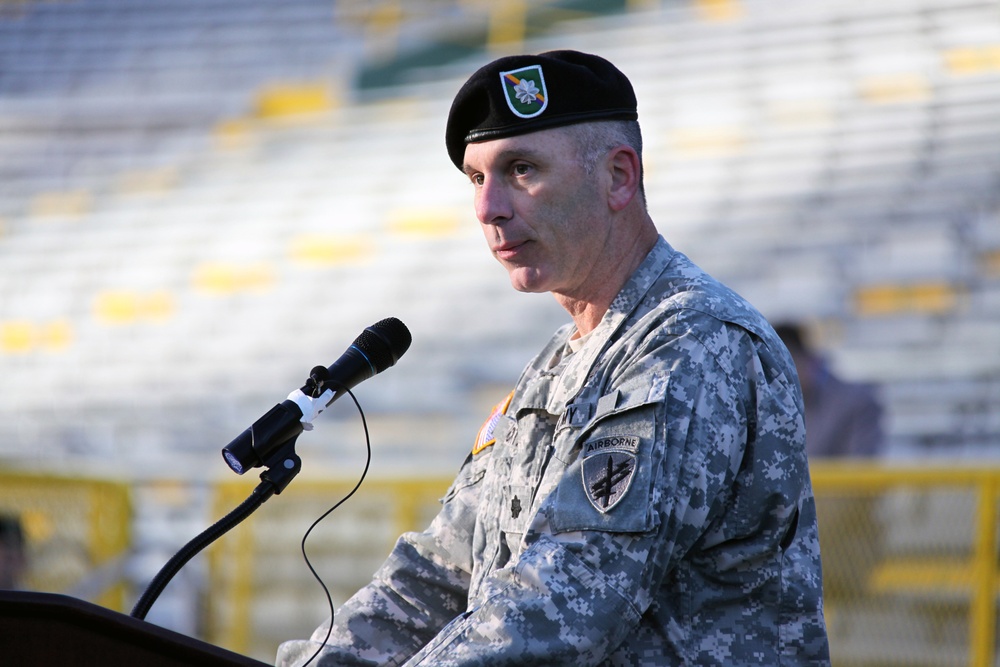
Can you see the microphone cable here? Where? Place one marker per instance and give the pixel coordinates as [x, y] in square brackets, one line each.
[305, 556]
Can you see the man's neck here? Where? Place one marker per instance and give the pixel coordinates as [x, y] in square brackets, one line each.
[588, 310]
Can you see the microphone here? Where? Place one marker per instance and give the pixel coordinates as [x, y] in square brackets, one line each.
[377, 348]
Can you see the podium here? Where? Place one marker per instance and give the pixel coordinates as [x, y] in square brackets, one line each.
[51, 629]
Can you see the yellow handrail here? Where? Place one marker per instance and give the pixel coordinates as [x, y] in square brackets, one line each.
[975, 578]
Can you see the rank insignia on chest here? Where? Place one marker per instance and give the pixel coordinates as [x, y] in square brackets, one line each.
[609, 465]
[485, 437]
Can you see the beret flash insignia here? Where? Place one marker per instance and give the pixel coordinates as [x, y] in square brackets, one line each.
[525, 91]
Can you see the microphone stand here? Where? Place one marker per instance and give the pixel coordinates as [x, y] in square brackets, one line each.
[282, 466]
[270, 441]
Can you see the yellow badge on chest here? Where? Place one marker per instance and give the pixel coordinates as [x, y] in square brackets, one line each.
[485, 437]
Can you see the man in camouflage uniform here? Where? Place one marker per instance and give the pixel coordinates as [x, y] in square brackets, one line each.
[642, 496]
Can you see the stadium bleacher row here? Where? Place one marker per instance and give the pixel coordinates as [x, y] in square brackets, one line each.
[175, 258]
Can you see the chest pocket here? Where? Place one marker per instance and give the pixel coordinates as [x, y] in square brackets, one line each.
[607, 482]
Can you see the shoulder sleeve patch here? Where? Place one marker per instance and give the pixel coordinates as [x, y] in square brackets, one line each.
[485, 437]
[609, 465]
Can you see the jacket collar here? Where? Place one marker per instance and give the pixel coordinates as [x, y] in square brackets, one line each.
[554, 388]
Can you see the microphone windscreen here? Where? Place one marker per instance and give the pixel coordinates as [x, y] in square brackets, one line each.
[384, 342]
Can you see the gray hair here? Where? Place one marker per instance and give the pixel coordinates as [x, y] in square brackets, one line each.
[595, 139]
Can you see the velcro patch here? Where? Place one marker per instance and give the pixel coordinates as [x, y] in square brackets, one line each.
[609, 465]
[485, 437]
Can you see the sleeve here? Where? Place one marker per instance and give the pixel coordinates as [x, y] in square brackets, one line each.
[421, 587]
[587, 573]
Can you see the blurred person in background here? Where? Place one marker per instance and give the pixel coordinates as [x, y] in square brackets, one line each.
[842, 418]
[642, 496]
[13, 556]
[843, 421]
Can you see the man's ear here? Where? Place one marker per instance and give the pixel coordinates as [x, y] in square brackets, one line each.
[625, 169]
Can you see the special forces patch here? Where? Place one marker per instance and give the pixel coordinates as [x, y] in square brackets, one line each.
[609, 465]
[525, 91]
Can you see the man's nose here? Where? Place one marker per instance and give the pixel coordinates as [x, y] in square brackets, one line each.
[493, 204]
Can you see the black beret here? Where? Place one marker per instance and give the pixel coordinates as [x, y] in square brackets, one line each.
[521, 94]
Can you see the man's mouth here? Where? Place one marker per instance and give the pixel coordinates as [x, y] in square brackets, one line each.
[508, 249]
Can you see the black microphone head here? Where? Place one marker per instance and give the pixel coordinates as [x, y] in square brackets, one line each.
[384, 342]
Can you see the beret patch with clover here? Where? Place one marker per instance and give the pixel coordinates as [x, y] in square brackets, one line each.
[526, 93]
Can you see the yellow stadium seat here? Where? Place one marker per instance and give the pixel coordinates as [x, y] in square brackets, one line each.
[719, 10]
[707, 141]
[926, 297]
[233, 133]
[148, 181]
[231, 278]
[425, 222]
[56, 335]
[289, 99]
[25, 336]
[973, 59]
[71, 204]
[895, 89]
[17, 336]
[126, 306]
[329, 249]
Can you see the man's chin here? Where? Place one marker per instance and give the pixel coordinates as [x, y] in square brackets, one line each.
[529, 285]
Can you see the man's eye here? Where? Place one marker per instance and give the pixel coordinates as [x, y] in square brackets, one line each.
[477, 179]
[521, 169]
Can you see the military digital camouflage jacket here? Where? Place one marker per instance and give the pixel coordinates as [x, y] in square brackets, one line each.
[644, 500]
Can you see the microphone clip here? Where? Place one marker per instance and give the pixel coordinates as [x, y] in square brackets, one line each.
[270, 441]
[313, 397]
[314, 385]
